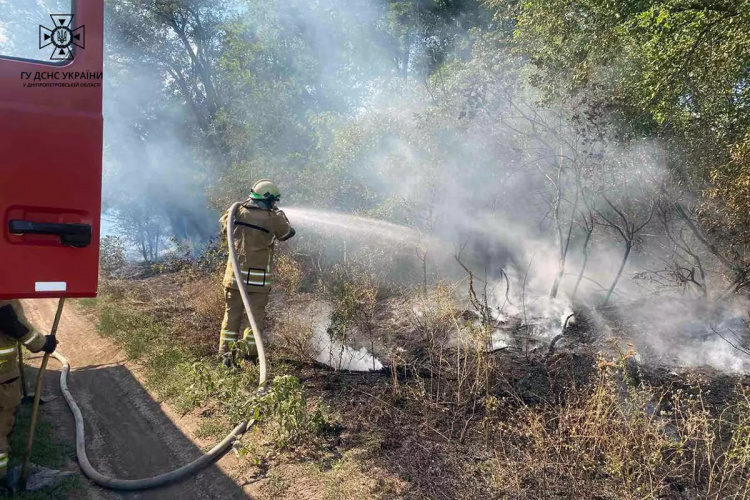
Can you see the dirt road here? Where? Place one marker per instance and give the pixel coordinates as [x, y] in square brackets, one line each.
[128, 433]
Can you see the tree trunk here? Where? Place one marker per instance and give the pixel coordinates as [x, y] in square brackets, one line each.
[564, 245]
[585, 262]
[628, 247]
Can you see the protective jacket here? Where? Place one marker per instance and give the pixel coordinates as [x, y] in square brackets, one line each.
[14, 328]
[256, 229]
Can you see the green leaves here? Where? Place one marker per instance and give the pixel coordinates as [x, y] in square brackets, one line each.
[285, 411]
[676, 71]
[670, 59]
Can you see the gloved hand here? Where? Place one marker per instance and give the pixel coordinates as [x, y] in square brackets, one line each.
[50, 342]
[288, 235]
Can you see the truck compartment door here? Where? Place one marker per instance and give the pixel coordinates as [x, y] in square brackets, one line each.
[50, 149]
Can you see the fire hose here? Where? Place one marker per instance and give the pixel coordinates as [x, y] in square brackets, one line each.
[166, 478]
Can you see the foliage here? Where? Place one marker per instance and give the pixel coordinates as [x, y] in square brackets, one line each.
[285, 407]
[256, 89]
[731, 187]
[680, 62]
[112, 253]
[180, 38]
[671, 70]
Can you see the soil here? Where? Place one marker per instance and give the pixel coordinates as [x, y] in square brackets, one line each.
[128, 433]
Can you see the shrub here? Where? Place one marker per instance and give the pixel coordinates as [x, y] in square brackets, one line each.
[214, 255]
[354, 296]
[285, 412]
[288, 273]
[112, 255]
[295, 333]
[178, 258]
[630, 440]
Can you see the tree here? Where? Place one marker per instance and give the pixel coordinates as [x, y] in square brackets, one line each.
[672, 70]
[182, 41]
[143, 227]
[112, 255]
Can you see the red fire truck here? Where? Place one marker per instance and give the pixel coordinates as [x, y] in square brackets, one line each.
[51, 157]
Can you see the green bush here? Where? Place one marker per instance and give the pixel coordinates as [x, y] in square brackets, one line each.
[284, 411]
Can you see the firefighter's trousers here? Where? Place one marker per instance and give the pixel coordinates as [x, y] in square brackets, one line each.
[235, 311]
[10, 399]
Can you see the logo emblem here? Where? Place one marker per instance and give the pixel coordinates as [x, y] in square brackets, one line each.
[62, 37]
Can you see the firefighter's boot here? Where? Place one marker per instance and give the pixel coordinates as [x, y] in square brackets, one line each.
[250, 350]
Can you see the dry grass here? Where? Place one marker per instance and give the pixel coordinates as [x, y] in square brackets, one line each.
[561, 426]
[205, 311]
[345, 476]
[612, 440]
[292, 328]
[191, 307]
[288, 273]
[450, 420]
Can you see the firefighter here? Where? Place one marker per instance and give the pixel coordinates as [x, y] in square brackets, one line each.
[258, 224]
[14, 328]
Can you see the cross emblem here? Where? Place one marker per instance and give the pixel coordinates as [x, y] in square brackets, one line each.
[62, 37]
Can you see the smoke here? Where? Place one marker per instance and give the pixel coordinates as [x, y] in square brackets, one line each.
[332, 352]
[682, 332]
[153, 177]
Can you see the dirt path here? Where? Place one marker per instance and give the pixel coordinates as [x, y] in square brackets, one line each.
[128, 433]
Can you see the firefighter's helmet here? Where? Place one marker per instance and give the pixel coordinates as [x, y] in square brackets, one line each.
[265, 190]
